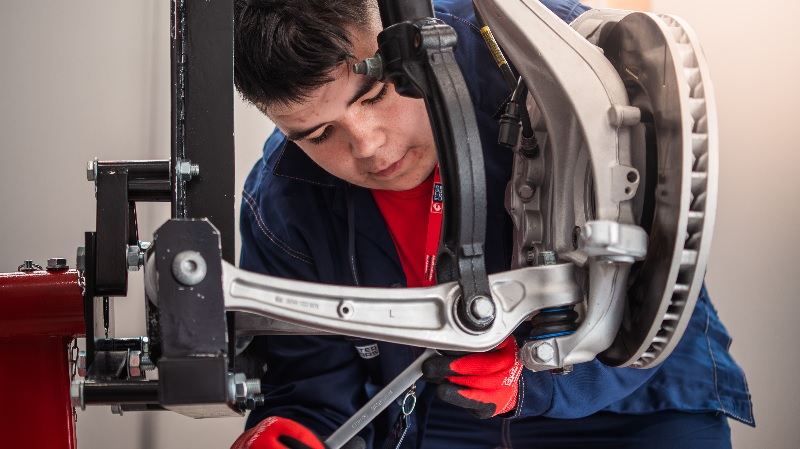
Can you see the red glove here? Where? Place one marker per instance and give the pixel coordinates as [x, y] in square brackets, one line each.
[484, 383]
[278, 433]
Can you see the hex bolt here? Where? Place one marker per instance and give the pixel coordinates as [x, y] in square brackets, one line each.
[526, 192]
[544, 352]
[81, 363]
[189, 268]
[539, 355]
[475, 313]
[91, 170]
[247, 392]
[371, 67]
[134, 258]
[548, 258]
[187, 170]
[482, 308]
[80, 258]
[116, 409]
[57, 264]
[134, 363]
[27, 265]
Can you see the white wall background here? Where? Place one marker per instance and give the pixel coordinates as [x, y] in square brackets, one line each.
[90, 78]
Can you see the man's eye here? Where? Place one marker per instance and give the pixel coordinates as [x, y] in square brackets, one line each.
[378, 97]
[321, 138]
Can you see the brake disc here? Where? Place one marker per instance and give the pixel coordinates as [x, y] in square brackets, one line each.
[676, 152]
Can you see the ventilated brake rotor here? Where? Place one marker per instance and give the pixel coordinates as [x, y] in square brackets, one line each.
[666, 76]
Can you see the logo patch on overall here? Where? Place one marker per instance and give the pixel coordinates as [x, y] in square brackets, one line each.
[438, 197]
[369, 351]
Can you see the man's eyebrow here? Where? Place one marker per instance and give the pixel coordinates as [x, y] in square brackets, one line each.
[302, 134]
[365, 87]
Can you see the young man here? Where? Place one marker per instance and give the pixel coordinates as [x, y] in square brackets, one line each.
[342, 196]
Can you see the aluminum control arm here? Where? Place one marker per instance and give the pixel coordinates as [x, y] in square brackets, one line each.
[415, 316]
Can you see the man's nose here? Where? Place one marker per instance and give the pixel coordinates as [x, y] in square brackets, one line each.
[366, 137]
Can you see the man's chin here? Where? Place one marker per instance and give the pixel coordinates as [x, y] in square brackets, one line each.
[397, 184]
[407, 182]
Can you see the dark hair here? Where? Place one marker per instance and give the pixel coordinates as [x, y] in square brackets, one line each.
[283, 49]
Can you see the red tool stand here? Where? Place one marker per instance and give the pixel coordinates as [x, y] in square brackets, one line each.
[41, 312]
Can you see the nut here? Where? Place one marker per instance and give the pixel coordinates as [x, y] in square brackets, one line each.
[80, 258]
[82, 363]
[134, 361]
[187, 170]
[57, 264]
[91, 170]
[133, 258]
[239, 381]
[252, 402]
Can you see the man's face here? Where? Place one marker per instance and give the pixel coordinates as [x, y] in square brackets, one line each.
[361, 130]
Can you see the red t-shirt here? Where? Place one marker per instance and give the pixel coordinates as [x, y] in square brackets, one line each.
[406, 214]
